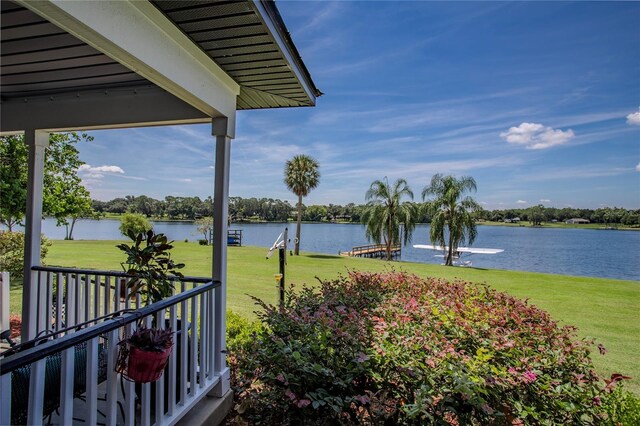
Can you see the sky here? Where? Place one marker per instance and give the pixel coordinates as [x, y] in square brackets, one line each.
[538, 101]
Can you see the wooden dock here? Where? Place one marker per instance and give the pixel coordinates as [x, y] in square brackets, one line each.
[378, 251]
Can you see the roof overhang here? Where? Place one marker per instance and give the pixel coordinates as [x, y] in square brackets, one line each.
[79, 65]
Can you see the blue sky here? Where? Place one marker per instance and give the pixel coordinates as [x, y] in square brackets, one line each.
[539, 102]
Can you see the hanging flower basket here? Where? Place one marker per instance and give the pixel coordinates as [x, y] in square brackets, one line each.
[143, 356]
[144, 366]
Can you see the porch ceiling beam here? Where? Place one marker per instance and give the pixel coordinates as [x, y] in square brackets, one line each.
[102, 109]
[142, 38]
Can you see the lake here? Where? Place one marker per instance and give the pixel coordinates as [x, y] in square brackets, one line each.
[584, 252]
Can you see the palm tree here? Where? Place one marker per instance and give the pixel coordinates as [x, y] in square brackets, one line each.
[301, 175]
[452, 210]
[385, 213]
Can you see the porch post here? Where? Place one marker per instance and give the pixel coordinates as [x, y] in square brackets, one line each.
[223, 131]
[37, 141]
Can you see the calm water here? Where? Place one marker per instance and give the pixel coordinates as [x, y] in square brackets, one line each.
[586, 252]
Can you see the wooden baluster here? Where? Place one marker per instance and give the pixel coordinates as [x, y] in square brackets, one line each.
[87, 298]
[5, 399]
[92, 380]
[173, 324]
[184, 348]
[193, 362]
[112, 378]
[145, 404]
[36, 393]
[59, 301]
[96, 296]
[203, 341]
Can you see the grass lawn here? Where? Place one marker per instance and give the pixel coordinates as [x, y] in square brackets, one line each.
[604, 309]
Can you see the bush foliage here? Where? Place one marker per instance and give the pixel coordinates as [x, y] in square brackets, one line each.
[393, 348]
[12, 252]
[134, 223]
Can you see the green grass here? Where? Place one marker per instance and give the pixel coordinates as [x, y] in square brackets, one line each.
[603, 309]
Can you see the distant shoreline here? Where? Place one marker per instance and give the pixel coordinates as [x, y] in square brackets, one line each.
[524, 224]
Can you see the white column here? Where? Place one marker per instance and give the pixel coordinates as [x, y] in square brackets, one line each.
[37, 141]
[223, 132]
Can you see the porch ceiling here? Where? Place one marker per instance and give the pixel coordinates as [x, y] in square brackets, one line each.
[247, 39]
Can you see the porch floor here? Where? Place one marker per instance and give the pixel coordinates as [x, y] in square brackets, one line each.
[210, 410]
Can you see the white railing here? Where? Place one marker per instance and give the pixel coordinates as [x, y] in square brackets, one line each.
[70, 376]
[67, 296]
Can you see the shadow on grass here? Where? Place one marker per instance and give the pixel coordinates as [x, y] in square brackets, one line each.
[323, 256]
[15, 283]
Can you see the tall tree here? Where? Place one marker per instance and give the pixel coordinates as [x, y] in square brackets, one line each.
[72, 202]
[60, 179]
[386, 213]
[536, 215]
[451, 211]
[13, 180]
[301, 175]
[204, 225]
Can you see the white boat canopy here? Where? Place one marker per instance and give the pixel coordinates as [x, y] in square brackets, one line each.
[459, 249]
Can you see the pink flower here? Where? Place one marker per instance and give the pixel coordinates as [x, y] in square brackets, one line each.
[303, 403]
[512, 370]
[596, 400]
[411, 304]
[290, 395]
[362, 357]
[529, 376]
[362, 399]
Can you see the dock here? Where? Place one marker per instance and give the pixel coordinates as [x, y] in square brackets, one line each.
[377, 251]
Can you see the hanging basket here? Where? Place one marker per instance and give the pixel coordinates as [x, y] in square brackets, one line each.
[141, 366]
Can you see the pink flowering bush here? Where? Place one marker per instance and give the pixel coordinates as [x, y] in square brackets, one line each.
[394, 348]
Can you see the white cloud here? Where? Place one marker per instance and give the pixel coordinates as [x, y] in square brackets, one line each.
[544, 200]
[536, 136]
[638, 168]
[90, 175]
[634, 118]
[87, 168]
[522, 202]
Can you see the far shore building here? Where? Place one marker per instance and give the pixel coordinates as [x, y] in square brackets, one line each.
[576, 221]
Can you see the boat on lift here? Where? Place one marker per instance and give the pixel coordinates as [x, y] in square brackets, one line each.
[458, 252]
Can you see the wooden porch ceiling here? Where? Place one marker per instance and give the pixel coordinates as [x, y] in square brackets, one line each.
[39, 59]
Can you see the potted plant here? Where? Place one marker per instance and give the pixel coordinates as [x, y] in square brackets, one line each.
[144, 354]
[150, 265]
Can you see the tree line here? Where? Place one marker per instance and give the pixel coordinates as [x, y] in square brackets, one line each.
[540, 214]
[275, 210]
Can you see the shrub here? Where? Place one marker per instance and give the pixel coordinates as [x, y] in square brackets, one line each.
[203, 242]
[393, 348]
[621, 406]
[12, 252]
[134, 223]
[240, 331]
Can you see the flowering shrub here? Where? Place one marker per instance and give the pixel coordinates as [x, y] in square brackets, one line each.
[393, 348]
[12, 252]
[15, 322]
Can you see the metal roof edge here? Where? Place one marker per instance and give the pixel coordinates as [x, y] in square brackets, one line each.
[274, 14]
